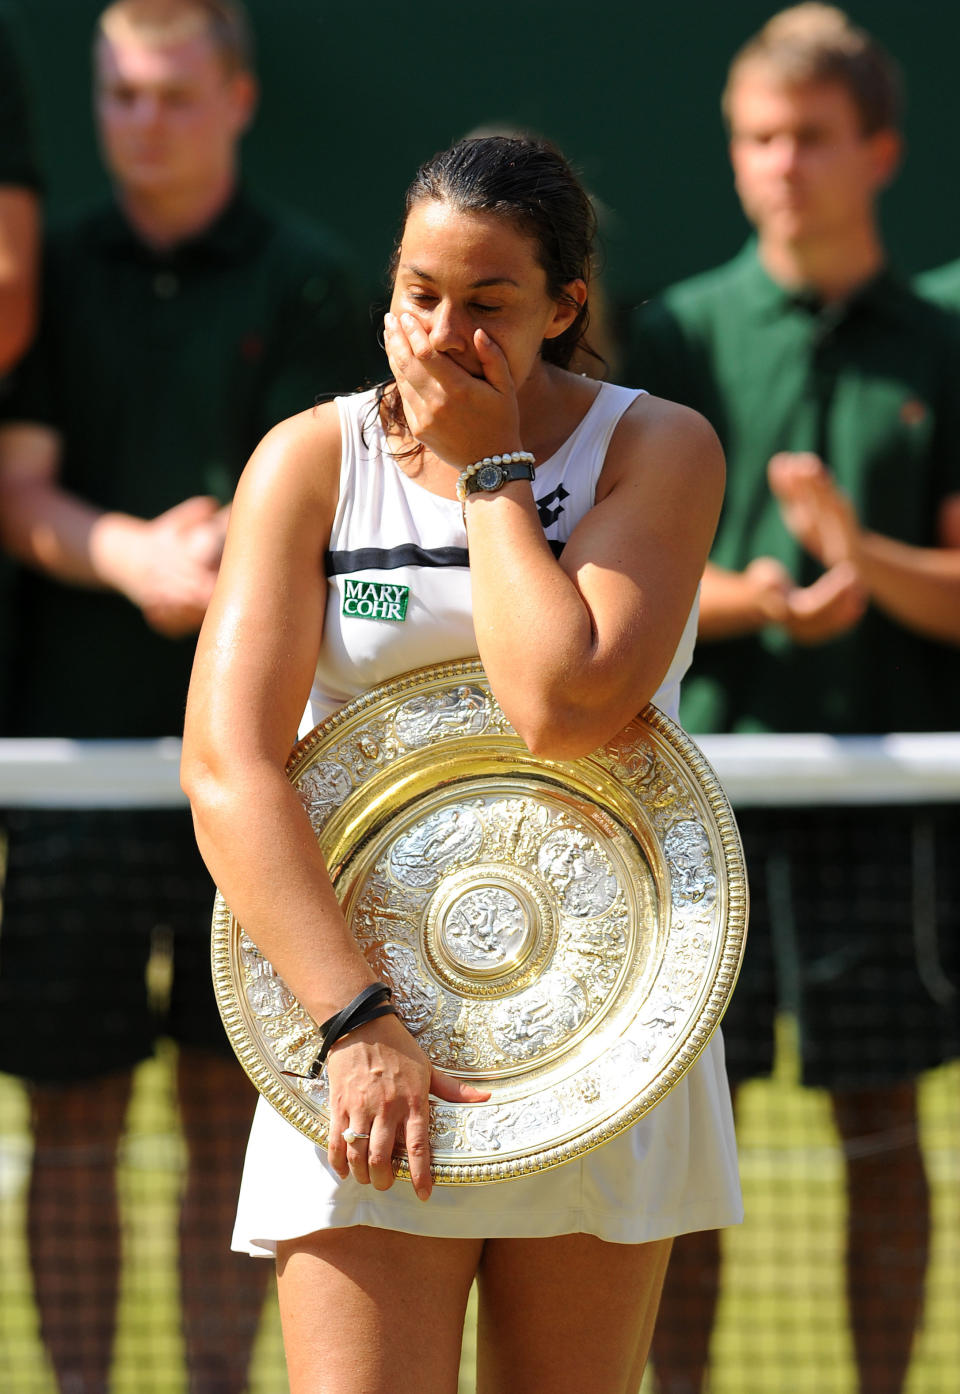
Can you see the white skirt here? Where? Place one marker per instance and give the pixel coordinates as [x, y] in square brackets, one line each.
[673, 1171]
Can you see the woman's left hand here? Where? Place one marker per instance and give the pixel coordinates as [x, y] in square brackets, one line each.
[458, 415]
[379, 1081]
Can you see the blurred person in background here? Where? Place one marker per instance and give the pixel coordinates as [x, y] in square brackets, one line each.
[19, 210]
[180, 322]
[942, 285]
[830, 604]
[19, 239]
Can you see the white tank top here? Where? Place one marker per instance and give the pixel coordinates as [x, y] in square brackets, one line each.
[399, 597]
[398, 570]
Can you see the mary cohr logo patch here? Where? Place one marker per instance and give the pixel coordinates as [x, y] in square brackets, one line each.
[375, 600]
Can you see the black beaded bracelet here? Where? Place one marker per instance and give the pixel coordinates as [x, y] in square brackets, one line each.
[367, 1006]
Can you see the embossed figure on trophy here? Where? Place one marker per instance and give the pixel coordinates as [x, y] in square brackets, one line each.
[322, 789]
[562, 858]
[533, 1020]
[541, 1017]
[485, 928]
[579, 872]
[597, 954]
[368, 746]
[630, 760]
[492, 1130]
[385, 910]
[415, 996]
[445, 838]
[515, 829]
[267, 993]
[367, 750]
[687, 848]
[666, 1018]
[453, 1040]
[438, 716]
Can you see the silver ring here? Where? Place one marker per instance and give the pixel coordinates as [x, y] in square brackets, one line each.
[351, 1135]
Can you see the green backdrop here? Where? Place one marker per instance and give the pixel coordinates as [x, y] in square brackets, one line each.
[355, 95]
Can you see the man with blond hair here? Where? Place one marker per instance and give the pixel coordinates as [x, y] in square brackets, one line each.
[181, 322]
[830, 604]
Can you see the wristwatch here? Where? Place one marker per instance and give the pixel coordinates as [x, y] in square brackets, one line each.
[492, 476]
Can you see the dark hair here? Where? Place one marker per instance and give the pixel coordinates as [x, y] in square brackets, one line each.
[527, 182]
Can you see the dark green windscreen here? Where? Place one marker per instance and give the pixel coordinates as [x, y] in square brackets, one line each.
[354, 96]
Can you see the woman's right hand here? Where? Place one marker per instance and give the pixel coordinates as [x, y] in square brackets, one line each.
[458, 414]
[380, 1081]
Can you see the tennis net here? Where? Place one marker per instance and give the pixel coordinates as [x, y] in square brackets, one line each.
[835, 1164]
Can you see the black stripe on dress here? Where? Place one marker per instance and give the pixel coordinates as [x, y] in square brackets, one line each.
[392, 558]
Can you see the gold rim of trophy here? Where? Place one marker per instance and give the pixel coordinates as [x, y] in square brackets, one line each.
[566, 934]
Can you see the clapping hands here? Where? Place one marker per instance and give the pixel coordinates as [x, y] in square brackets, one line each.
[175, 565]
[813, 508]
[822, 518]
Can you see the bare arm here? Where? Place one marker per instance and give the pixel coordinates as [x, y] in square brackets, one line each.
[919, 587]
[252, 675]
[166, 566]
[573, 649]
[737, 603]
[734, 603]
[19, 239]
[251, 679]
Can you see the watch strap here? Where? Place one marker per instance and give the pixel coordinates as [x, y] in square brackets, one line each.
[489, 478]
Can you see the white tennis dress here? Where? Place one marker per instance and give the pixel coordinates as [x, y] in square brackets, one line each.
[399, 598]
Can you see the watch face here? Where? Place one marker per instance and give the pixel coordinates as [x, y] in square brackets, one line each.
[490, 477]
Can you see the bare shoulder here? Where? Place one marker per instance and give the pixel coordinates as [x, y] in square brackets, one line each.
[298, 458]
[666, 444]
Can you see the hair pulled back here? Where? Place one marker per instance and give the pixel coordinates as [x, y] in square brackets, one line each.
[528, 183]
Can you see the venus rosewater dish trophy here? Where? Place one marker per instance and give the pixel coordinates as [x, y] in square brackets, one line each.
[566, 934]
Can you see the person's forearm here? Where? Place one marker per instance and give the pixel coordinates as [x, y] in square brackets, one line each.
[261, 851]
[56, 532]
[17, 321]
[571, 655]
[917, 586]
[533, 629]
[738, 603]
[19, 238]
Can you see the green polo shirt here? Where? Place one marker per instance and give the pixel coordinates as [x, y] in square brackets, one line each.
[942, 285]
[870, 386]
[161, 373]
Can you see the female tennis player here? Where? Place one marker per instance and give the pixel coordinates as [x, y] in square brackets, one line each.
[557, 527]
